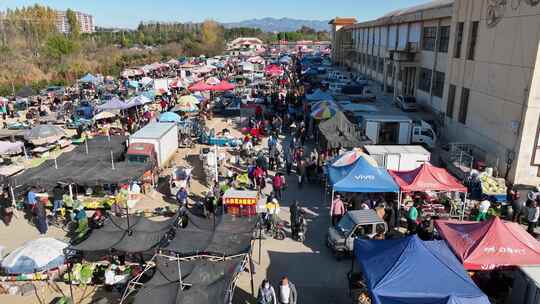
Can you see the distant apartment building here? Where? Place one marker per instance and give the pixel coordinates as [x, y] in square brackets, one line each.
[245, 45]
[86, 22]
[474, 63]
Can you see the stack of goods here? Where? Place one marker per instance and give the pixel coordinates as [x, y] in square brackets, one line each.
[493, 187]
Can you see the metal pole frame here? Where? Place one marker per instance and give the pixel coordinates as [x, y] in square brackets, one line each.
[465, 203]
[135, 281]
[12, 194]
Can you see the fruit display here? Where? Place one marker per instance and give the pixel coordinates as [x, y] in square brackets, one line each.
[97, 203]
[491, 185]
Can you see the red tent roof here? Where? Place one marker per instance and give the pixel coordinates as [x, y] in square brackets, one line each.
[274, 70]
[427, 178]
[223, 86]
[490, 244]
[200, 86]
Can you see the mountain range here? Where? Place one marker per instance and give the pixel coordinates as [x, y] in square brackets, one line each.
[280, 24]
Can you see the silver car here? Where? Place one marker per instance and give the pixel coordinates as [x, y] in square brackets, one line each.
[406, 103]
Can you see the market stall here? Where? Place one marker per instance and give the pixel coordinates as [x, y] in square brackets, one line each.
[430, 179]
[361, 176]
[490, 244]
[131, 234]
[412, 271]
[484, 185]
[241, 202]
[35, 256]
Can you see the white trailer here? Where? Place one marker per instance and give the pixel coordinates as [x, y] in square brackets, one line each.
[164, 138]
[399, 158]
[397, 130]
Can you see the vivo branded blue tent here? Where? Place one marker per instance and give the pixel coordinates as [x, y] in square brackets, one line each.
[361, 177]
[411, 271]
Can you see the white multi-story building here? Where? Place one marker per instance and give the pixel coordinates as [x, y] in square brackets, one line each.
[86, 22]
[474, 63]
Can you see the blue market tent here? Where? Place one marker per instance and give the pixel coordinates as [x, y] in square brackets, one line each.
[170, 117]
[411, 271]
[113, 104]
[361, 176]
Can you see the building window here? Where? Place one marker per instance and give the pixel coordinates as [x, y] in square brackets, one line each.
[451, 100]
[463, 107]
[381, 65]
[429, 36]
[459, 39]
[472, 41]
[444, 38]
[438, 84]
[424, 82]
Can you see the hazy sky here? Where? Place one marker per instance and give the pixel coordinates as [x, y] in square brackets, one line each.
[128, 13]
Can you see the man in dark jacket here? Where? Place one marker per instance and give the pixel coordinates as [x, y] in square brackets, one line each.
[41, 217]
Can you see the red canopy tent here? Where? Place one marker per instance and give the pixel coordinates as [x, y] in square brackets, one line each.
[273, 70]
[427, 178]
[490, 244]
[223, 86]
[200, 86]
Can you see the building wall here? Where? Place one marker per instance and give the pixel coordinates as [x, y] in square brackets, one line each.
[86, 22]
[503, 111]
[372, 42]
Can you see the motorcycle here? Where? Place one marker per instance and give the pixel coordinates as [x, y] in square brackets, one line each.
[278, 230]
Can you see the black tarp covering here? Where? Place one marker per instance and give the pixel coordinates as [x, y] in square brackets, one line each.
[229, 235]
[94, 168]
[164, 285]
[209, 282]
[142, 234]
[338, 131]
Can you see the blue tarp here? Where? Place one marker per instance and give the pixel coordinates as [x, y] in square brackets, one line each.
[361, 177]
[170, 117]
[411, 271]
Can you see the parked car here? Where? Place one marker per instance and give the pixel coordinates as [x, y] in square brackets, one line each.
[406, 103]
[354, 224]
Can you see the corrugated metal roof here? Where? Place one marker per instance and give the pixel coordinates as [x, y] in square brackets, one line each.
[365, 216]
[153, 130]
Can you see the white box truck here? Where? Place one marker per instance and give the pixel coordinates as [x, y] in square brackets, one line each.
[399, 158]
[397, 130]
[155, 142]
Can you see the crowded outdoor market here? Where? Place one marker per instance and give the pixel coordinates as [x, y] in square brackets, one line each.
[166, 183]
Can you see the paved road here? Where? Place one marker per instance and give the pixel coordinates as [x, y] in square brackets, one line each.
[318, 276]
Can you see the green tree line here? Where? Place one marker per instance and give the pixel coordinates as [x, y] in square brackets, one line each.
[34, 53]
